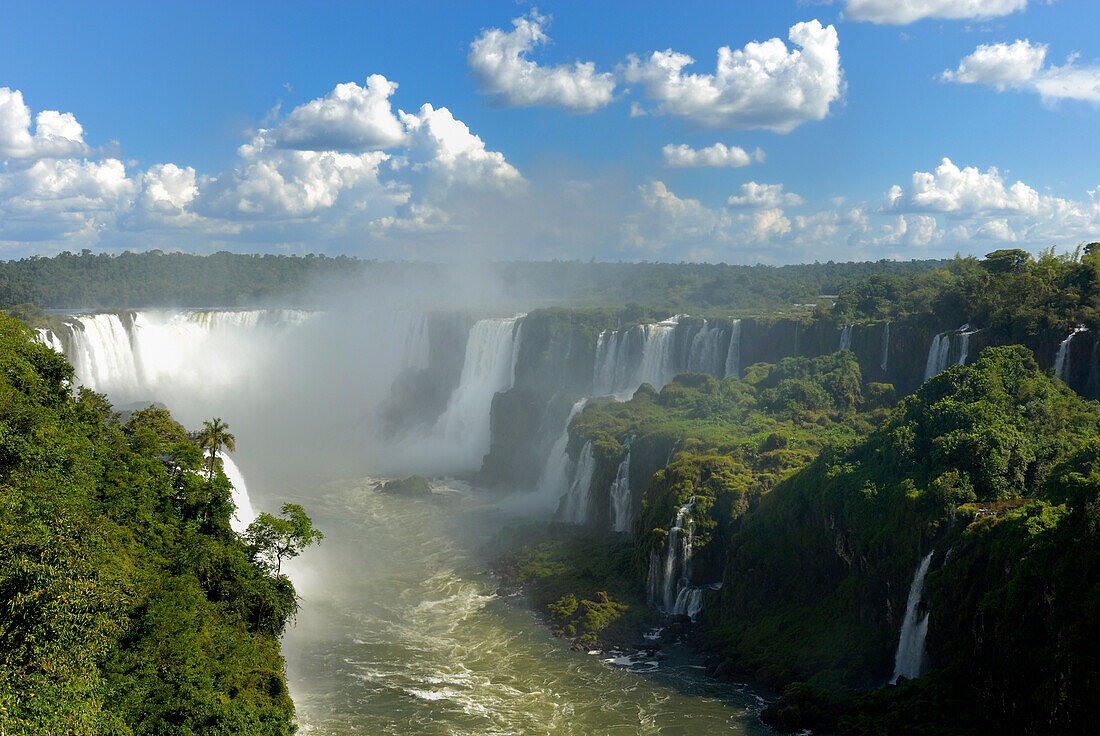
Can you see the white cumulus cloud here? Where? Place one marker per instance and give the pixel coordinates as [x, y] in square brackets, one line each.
[684, 156]
[900, 12]
[504, 72]
[1021, 65]
[763, 196]
[56, 134]
[349, 118]
[764, 85]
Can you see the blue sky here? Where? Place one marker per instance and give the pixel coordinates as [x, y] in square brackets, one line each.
[852, 129]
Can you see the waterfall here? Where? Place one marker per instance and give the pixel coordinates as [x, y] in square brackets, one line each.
[846, 338]
[1063, 349]
[939, 353]
[245, 515]
[657, 367]
[733, 355]
[615, 372]
[551, 486]
[487, 370]
[609, 371]
[622, 503]
[885, 347]
[909, 659]
[575, 503]
[669, 581]
[703, 354]
[196, 348]
[49, 339]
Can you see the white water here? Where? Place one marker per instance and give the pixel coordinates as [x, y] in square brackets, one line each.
[703, 354]
[1063, 349]
[489, 368]
[733, 355]
[622, 503]
[910, 657]
[616, 374]
[553, 480]
[939, 352]
[575, 503]
[669, 582]
[885, 347]
[845, 338]
[49, 339]
[245, 514]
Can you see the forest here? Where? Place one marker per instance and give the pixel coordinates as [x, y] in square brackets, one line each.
[129, 604]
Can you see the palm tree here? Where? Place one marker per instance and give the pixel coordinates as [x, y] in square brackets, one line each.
[214, 437]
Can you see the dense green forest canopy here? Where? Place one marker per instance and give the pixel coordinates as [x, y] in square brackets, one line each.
[129, 606]
[156, 279]
[1009, 292]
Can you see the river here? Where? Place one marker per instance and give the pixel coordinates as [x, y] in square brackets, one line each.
[401, 632]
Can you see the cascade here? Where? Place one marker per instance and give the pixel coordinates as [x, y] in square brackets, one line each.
[1063, 349]
[939, 353]
[245, 515]
[846, 338]
[703, 355]
[964, 344]
[910, 656]
[551, 486]
[613, 372]
[885, 347]
[622, 504]
[49, 339]
[575, 503]
[488, 369]
[193, 347]
[733, 355]
[669, 581]
[657, 366]
[609, 372]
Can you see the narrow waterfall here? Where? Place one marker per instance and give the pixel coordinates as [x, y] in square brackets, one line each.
[910, 657]
[575, 503]
[669, 582]
[551, 486]
[49, 339]
[885, 347]
[245, 514]
[622, 503]
[657, 366]
[733, 355]
[1063, 350]
[703, 354]
[625, 359]
[487, 369]
[609, 373]
[846, 338]
[939, 353]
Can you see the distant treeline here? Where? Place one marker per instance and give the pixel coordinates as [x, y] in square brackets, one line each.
[157, 279]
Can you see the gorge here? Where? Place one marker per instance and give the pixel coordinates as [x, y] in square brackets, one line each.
[598, 418]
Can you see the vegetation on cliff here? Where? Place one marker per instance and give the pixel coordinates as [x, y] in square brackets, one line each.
[129, 606]
[993, 468]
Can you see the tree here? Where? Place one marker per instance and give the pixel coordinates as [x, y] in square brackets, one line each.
[214, 437]
[275, 538]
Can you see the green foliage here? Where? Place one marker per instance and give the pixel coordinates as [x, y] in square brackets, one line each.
[997, 462]
[272, 539]
[127, 604]
[213, 437]
[582, 581]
